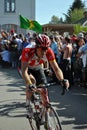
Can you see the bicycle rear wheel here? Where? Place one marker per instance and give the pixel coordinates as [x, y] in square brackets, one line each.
[52, 120]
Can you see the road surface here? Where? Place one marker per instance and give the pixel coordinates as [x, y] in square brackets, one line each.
[72, 107]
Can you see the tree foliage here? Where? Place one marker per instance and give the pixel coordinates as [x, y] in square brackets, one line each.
[76, 15]
[75, 10]
[77, 4]
[78, 28]
[54, 20]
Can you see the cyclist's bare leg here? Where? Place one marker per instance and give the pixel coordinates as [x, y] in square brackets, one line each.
[28, 95]
[33, 80]
[29, 92]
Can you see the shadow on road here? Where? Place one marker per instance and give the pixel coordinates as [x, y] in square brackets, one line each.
[12, 108]
[72, 107]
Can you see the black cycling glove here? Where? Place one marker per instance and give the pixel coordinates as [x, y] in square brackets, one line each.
[63, 84]
[32, 86]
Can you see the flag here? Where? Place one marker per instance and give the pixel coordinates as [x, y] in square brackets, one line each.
[30, 24]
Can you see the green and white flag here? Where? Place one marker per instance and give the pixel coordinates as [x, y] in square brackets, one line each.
[30, 24]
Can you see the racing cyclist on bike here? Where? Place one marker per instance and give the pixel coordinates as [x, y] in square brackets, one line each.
[32, 58]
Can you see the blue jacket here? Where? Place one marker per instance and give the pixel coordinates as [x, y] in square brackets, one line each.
[84, 47]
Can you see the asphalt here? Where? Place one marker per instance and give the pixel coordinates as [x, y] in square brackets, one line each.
[12, 101]
[72, 107]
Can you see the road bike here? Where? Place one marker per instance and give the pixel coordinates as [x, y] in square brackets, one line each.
[44, 116]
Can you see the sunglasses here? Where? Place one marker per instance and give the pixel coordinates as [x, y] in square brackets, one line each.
[44, 48]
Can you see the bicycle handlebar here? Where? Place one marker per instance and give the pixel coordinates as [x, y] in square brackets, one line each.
[48, 85]
[64, 89]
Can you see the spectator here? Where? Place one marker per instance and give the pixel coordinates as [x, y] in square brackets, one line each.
[73, 61]
[81, 58]
[83, 53]
[14, 53]
[5, 54]
[66, 61]
[25, 42]
[54, 47]
[59, 43]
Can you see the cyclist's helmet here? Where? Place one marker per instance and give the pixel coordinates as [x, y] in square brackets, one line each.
[42, 40]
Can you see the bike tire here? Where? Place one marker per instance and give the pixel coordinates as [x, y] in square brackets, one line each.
[52, 120]
[37, 123]
[34, 120]
[32, 124]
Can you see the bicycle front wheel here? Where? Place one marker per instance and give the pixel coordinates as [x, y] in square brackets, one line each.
[52, 120]
[32, 123]
[34, 120]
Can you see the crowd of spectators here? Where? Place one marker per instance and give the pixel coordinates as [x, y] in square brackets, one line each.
[11, 45]
[70, 52]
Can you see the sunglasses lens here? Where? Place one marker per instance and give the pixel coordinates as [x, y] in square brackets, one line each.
[44, 48]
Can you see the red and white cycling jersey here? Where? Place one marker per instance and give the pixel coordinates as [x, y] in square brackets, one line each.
[29, 55]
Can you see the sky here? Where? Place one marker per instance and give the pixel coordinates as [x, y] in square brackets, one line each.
[45, 9]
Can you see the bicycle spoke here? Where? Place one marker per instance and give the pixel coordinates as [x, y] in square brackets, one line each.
[44, 117]
[32, 123]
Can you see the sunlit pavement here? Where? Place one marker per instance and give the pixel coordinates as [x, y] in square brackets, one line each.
[72, 107]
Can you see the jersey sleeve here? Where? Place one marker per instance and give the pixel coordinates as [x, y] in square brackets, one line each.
[50, 55]
[24, 56]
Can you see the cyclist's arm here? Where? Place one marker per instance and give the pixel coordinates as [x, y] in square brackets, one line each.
[58, 72]
[26, 77]
[51, 58]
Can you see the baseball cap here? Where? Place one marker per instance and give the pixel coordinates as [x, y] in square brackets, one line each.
[80, 35]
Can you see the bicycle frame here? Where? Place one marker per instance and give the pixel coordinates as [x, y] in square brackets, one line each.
[42, 110]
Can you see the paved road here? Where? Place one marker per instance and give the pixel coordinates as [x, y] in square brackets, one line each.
[72, 107]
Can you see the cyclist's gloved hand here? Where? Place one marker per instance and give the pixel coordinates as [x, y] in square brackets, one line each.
[31, 87]
[65, 85]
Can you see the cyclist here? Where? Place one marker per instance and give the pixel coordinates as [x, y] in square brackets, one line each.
[32, 58]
